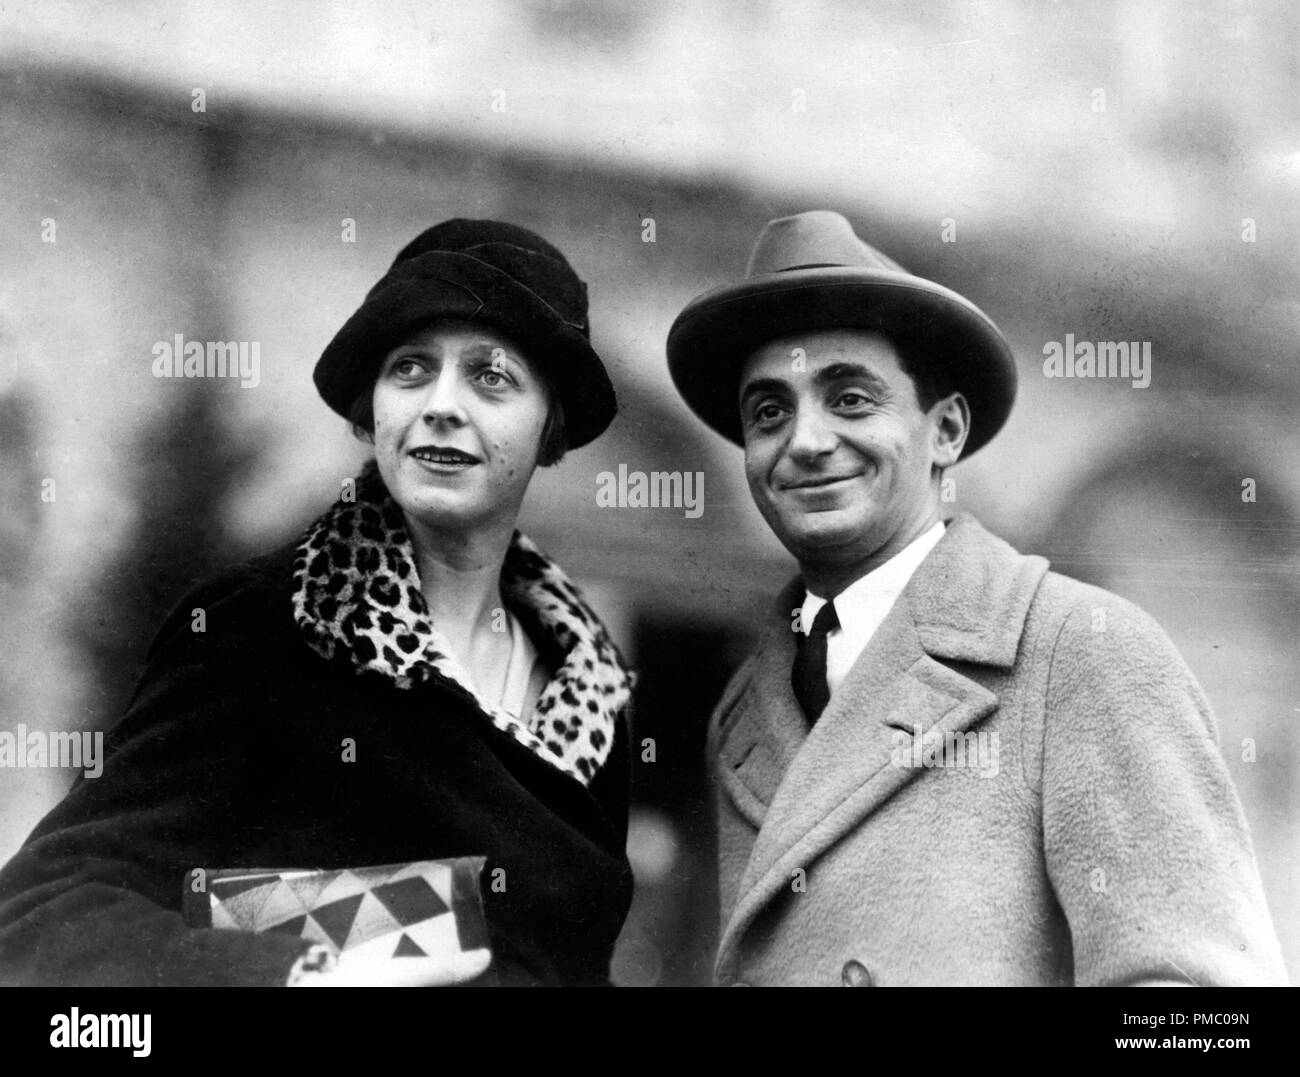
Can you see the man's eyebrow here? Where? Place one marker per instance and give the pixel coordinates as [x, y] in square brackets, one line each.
[852, 371]
[763, 385]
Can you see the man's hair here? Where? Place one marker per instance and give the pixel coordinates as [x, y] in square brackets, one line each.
[931, 380]
[555, 434]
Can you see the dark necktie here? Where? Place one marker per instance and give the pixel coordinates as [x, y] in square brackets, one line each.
[808, 676]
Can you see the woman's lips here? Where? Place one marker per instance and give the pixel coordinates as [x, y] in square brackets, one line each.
[443, 459]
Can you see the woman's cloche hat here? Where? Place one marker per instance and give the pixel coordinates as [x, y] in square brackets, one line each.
[811, 271]
[488, 271]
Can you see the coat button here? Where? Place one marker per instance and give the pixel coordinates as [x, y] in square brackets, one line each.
[855, 974]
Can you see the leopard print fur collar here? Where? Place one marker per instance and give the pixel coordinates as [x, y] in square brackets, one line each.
[356, 591]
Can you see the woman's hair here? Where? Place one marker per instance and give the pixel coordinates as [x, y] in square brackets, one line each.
[555, 436]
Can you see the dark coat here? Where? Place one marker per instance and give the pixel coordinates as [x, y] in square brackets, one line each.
[231, 755]
[1094, 838]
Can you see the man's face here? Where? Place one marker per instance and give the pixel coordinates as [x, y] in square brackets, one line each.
[838, 453]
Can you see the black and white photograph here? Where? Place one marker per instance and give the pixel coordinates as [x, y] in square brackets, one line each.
[716, 493]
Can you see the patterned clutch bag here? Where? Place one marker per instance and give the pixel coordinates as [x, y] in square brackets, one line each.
[426, 908]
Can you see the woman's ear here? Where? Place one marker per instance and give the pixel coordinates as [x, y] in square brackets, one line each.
[555, 436]
[361, 416]
[950, 423]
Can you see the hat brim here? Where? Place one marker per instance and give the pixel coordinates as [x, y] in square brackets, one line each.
[712, 337]
[454, 285]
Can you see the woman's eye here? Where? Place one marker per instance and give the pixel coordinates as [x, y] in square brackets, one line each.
[852, 399]
[494, 377]
[767, 413]
[406, 368]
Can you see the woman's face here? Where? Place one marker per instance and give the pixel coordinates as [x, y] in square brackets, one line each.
[459, 414]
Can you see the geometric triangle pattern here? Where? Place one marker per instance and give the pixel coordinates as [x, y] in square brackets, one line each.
[417, 909]
[372, 920]
[233, 887]
[411, 900]
[406, 947]
[336, 918]
[307, 886]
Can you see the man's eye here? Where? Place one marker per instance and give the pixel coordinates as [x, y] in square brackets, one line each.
[767, 413]
[852, 398]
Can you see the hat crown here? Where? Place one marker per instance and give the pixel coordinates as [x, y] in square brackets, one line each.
[464, 234]
[809, 240]
[522, 255]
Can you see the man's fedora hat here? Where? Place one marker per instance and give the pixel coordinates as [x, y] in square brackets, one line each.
[811, 272]
[487, 271]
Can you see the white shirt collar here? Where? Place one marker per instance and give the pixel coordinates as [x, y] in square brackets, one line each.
[864, 604]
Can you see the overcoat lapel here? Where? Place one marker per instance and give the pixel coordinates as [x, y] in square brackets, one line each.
[766, 728]
[805, 791]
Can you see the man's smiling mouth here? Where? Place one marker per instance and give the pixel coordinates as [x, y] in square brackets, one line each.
[817, 482]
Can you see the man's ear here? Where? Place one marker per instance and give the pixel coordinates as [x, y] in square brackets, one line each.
[950, 426]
